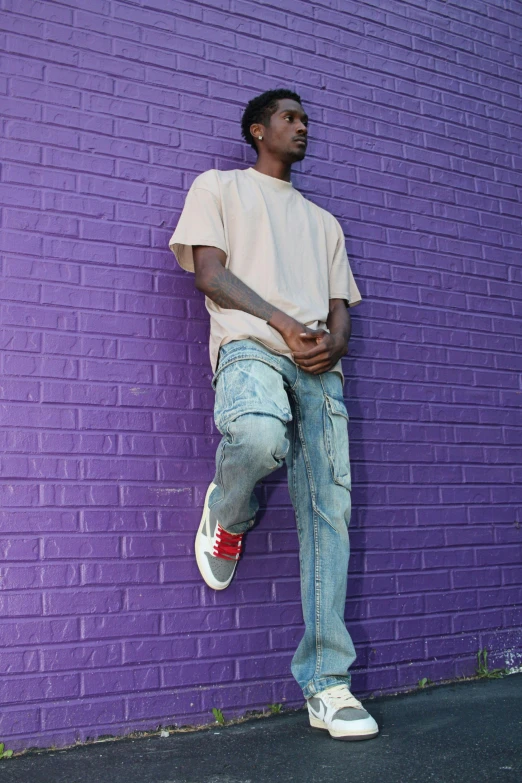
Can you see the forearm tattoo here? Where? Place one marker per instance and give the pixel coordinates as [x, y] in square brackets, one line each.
[227, 290]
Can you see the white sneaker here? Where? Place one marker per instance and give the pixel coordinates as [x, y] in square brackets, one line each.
[339, 712]
[217, 550]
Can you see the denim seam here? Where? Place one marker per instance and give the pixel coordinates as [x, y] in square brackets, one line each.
[219, 471]
[292, 388]
[294, 488]
[317, 580]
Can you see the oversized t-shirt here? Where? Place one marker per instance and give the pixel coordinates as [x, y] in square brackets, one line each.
[284, 247]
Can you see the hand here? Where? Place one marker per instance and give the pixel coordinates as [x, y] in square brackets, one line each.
[325, 352]
[293, 333]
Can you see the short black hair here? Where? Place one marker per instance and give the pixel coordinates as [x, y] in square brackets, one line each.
[261, 108]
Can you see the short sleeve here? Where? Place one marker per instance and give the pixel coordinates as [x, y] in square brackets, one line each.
[200, 223]
[341, 281]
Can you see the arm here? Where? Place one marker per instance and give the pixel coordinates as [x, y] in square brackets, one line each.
[339, 321]
[329, 346]
[227, 290]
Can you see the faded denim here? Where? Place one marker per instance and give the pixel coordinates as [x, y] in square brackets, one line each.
[270, 411]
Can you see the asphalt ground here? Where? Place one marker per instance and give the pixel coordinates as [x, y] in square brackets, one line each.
[464, 732]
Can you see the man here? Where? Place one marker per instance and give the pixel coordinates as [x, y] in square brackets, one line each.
[277, 284]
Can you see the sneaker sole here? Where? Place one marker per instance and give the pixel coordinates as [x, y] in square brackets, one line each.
[315, 723]
[199, 555]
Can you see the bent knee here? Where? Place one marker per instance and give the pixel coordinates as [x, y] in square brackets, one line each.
[266, 436]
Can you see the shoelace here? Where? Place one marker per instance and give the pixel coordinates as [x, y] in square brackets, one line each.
[227, 545]
[339, 696]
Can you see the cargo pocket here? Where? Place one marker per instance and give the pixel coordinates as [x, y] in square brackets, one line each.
[249, 386]
[335, 425]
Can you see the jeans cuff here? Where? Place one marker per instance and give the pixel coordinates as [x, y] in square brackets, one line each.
[316, 686]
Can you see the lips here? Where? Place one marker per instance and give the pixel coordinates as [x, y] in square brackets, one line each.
[303, 141]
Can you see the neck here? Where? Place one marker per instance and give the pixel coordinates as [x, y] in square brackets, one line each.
[273, 167]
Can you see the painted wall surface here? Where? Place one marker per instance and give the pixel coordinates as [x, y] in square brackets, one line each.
[110, 109]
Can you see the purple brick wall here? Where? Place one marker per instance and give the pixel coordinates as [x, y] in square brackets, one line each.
[108, 441]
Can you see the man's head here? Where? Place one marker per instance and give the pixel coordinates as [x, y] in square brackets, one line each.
[279, 118]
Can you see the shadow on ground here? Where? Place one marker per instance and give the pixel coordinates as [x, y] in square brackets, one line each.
[467, 732]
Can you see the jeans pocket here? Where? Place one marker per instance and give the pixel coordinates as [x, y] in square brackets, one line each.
[335, 424]
[249, 386]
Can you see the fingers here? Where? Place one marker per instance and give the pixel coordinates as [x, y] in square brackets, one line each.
[317, 364]
[313, 333]
[311, 363]
[317, 350]
[319, 368]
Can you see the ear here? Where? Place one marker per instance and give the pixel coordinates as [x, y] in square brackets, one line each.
[257, 129]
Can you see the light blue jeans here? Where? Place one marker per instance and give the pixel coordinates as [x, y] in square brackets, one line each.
[269, 411]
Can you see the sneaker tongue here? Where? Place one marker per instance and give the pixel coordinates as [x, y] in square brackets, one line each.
[342, 696]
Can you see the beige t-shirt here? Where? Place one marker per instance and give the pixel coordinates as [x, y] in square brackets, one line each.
[287, 249]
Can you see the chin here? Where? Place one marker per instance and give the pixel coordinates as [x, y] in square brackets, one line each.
[296, 156]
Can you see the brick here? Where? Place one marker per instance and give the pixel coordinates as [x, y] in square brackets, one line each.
[113, 106]
[20, 390]
[157, 546]
[65, 159]
[79, 346]
[117, 469]
[100, 712]
[77, 297]
[80, 250]
[163, 598]
[120, 573]
[76, 119]
[118, 626]
[18, 662]
[112, 325]
[13, 521]
[38, 688]
[31, 577]
[84, 494]
[82, 80]
[164, 445]
[118, 519]
[79, 393]
[15, 364]
[123, 680]
[80, 547]
[115, 420]
[24, 632]
[156, 496]
[159, 650]
[81, 657]
[19, 496]
[83, 601]
[19, 549]
[165, 704]
[78, 443]
[204, 672]
[45, 93]
[79, 38]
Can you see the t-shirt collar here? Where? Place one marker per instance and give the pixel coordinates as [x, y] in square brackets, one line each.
[279, 184]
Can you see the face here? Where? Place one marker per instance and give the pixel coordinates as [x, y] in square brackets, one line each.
[286, 136]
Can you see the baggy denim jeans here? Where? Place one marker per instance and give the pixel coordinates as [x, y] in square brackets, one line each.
[269, 411]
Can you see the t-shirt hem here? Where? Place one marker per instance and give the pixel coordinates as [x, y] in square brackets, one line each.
[180, 250]
[351, 303]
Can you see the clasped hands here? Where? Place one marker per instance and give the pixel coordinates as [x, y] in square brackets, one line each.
[324, 352]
